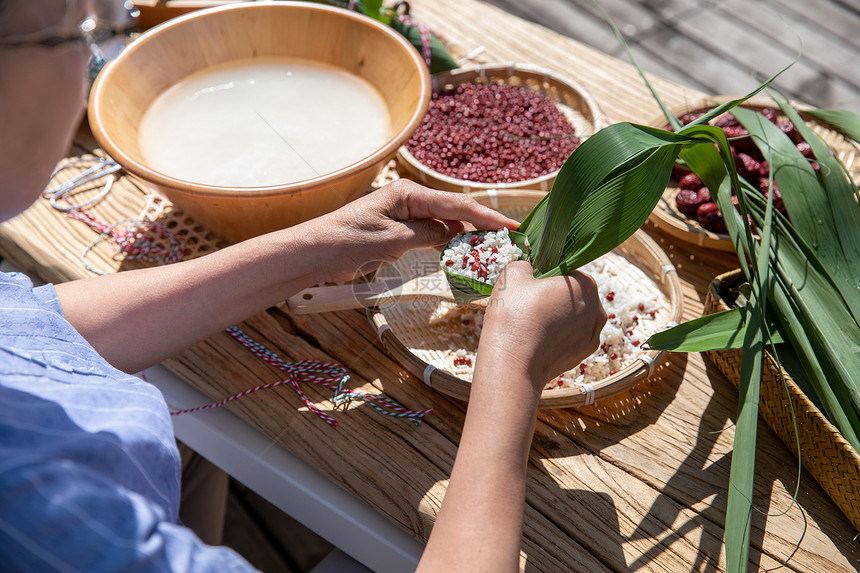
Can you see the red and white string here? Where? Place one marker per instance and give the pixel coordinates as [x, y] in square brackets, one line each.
[131, 238]
[426, 36]
[327, 374]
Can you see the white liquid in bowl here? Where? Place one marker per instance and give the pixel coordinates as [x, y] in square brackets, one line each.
[261, 122]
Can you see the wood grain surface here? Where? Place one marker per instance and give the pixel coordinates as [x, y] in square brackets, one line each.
[634, 483]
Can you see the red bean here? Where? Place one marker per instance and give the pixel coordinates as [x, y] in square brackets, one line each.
[493, 134]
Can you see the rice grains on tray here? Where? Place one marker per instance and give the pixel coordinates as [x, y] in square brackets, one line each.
[494, 133]
[480, 256]
[636, 308]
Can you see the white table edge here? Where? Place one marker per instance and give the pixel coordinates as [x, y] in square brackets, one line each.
[286, 481]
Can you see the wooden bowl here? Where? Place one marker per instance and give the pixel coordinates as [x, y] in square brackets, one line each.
[668, 218]
[576, 104]
[407, 332]
[180, 47]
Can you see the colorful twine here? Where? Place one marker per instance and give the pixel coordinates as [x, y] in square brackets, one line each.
[128, 236]
[426, 36]
[328, 374]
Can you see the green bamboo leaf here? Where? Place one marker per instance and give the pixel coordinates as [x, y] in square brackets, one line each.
[826, 348]
[844, 121]
[833, 396]
[840, 198]
[717, 171]
[739, 506]
[705, 161]
[742, 471]
[614, 211]
[717, 331]
[812, 210]
[372, 8]
[604, 156]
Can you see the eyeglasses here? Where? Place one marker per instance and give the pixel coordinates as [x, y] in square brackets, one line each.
[104, 21]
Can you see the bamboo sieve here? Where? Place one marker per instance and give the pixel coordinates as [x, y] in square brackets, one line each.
[406, 333]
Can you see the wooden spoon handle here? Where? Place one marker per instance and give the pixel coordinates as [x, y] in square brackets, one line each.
[343, 297]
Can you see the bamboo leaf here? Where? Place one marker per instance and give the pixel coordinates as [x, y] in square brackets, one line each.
[604, 156]
[704, 160]
[810, 208]
[742, 472]
[717, 331]
[826, 348]
[614, 211]
[840, 201]
[739, 507]
[835, 403]
[843, 121]
[720, 176]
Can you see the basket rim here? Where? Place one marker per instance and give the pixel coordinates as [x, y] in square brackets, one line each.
[428, 175]
[625, 378]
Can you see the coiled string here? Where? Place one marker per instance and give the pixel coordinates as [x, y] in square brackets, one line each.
[130, 237]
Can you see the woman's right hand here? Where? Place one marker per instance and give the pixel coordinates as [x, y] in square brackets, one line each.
[541, 327]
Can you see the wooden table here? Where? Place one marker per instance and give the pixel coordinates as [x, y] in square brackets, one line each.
[637, 483]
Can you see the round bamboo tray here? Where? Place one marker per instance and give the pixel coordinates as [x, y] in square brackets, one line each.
[823, 451]
[407, 335]
[576, 104]
[668, 218]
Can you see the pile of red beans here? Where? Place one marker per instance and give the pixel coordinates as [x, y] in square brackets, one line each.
[493, 134]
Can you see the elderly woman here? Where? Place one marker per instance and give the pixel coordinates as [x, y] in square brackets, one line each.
[89, 467]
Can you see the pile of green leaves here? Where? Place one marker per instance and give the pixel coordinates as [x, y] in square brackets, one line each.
[803, 274]
[440, 59]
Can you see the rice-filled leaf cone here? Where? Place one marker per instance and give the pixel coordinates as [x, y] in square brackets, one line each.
[466, 289]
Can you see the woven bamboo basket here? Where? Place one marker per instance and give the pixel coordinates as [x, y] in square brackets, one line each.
[668, 218]
[825, 454]
[576, 104]
[407, 334]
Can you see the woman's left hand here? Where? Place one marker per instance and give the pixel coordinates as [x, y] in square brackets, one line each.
[380, 227]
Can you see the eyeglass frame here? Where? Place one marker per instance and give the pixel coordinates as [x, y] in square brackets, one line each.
[93, 31]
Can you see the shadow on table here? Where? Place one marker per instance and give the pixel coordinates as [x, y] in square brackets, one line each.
[610, 463]
[592, 470]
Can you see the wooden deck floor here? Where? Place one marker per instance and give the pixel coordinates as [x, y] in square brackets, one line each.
[719, 46]
[714, 46]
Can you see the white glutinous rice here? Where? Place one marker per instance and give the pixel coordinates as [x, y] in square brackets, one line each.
[481, 256]
[635, 308]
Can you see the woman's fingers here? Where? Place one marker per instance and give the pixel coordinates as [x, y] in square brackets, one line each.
[417, 202]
